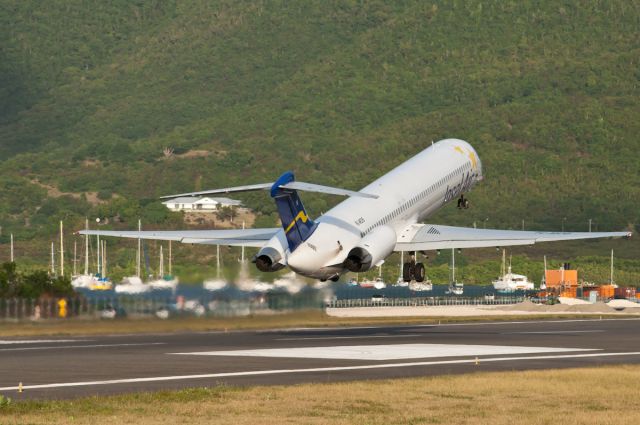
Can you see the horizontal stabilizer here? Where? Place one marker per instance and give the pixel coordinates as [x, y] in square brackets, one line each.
[294, 185]
[233, 237]
[421, 237]
[248, 188]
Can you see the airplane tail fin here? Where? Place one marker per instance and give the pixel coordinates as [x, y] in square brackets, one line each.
[296, 223]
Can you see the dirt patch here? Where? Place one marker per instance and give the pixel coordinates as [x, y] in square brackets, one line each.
[194, 154]
[91, 163]
[209, 219]
[54, 192]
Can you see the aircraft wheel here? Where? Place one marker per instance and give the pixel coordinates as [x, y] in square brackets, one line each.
[407, 272]
[419, 272]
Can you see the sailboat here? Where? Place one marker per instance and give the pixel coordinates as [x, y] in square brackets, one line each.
[510, 282]
[455, 288]
[87, 280]
[217, 283]
[134, 284]
[164, 281]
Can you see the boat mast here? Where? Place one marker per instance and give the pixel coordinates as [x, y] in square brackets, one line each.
[98, 254]
[53, 259]
[218, 261]
[86, 248]
[138, 273]
[170, 258]
[75, 258]
[104, 259]
[61, 249]
[453, 264]
[242, 258]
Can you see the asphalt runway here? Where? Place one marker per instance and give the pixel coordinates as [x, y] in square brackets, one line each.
[50, 368]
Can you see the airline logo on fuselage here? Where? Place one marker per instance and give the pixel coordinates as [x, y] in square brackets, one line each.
[463, 186]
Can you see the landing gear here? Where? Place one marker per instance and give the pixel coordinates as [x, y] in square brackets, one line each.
[463, 203]
[419, 272]
[413, 271]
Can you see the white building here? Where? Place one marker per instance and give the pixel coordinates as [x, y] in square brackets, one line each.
[194, 203]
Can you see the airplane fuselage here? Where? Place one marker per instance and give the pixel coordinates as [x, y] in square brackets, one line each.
[407, 194]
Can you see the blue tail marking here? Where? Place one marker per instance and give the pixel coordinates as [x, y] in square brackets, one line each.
[296, 223]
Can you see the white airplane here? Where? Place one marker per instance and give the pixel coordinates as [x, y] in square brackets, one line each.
[360, 232]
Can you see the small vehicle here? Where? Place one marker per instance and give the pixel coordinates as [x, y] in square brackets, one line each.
[377, 298]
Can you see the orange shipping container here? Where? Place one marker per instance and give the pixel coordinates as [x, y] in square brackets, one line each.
[606, 291]
[554, 278]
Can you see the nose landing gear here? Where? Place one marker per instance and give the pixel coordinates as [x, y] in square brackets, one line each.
[463, 203]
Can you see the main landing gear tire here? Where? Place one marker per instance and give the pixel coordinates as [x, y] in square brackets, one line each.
[407, 272]
[419, 272]
[413, 271]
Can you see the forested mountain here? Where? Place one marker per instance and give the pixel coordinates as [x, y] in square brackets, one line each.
[95, 95]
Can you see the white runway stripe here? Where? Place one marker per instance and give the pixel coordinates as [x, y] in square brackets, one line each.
[553, 332]
[348, 337]
[38, 341]
[387, 351]
[310, 370]
[59, 347]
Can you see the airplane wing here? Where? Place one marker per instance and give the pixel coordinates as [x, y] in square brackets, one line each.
[421, 237]
[234, 237]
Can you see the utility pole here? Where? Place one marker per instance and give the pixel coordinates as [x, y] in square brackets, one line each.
[589, 225]
[12, 258]
[611, 276]
[170, 259]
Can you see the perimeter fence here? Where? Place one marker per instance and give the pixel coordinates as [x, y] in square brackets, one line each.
[22, 309]
[422, 302]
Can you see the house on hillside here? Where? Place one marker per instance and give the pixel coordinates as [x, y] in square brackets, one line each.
[203, 204]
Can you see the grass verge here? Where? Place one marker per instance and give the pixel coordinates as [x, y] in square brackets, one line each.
[600, 395]
[310, 318]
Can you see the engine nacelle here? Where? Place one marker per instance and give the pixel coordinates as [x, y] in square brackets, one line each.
[373, 248]
[268, 259]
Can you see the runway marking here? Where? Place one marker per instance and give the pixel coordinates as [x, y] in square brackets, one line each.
[310, 370]
[435, 325]
[386, 352]
[554, 332]
[58, 347]
[38, 341]
[347, 337]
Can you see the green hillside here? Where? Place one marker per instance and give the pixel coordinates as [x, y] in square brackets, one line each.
[92, 92]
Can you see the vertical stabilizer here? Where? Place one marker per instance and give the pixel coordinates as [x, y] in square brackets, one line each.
[296, 223]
